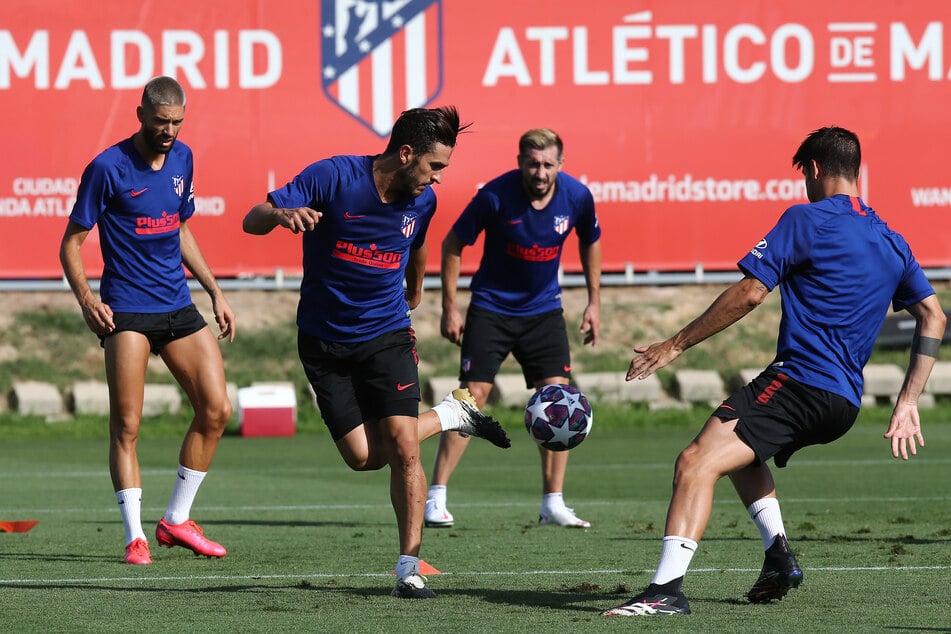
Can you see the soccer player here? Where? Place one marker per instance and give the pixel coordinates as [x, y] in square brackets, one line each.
[140, 194]
[364, 221]
[838, 266]
[515, 304]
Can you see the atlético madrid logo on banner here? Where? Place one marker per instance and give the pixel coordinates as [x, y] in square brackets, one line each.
[381, 57]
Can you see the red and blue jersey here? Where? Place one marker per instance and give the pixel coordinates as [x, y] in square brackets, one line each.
[138, 211]
[355, 259]
[518, 273]
[838, 266]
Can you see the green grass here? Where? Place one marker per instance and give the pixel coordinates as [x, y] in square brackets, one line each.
[311, 543]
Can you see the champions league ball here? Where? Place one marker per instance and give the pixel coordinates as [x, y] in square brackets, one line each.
[558, 417]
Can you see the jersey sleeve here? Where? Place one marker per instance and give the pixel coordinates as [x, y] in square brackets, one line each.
[473, 219]
[95, 189]
[425, 219]
[310, 188]
[781, 249]
[587, 228]
[914, 285]
[187, 210]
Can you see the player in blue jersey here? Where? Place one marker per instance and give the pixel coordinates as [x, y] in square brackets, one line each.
[364, 221]
[839, 267]
[139, 193]
[515, 303]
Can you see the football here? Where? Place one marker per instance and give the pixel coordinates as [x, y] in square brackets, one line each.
[558, 417]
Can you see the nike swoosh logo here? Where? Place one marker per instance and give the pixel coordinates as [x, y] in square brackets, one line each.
[134, 193]
[514, 222]
[567, 369]
[349, 216]
[400, 387]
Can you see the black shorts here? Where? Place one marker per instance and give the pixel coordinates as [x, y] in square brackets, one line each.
[160, 328]
[539, 343]
[359, 382]
[779, 416]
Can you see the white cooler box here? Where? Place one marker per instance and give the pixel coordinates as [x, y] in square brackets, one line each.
[267, 410]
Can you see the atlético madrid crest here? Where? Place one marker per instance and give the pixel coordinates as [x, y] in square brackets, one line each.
[381, 57]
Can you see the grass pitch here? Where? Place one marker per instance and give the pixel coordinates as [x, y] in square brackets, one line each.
[311, 544]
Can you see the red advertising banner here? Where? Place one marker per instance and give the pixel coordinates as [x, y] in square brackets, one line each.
[682, 117]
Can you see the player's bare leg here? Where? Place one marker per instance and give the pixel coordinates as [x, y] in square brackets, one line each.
[407, 479]
[448, 454]
[195, 361]
[127, 357]
[554, 466]
[715, 452]
[781, 570]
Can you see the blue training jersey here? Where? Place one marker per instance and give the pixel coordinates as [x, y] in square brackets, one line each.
[139, 211]
[839, 267]
[518, 273]
[355, 260]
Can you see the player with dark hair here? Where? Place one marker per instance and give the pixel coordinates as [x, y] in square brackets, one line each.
[515, 306]
[140, 194]
[839, 267]
[364, 220]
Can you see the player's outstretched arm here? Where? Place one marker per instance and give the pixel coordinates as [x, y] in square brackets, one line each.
[732, 305]
[264, 217]
[904, 428]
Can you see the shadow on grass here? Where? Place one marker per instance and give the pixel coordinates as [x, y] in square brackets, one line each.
[56, 557]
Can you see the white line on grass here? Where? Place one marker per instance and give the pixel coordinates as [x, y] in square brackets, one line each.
[480, 505]
[645, 466]
[473, 573]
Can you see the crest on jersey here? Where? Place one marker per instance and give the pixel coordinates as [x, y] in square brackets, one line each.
[561, 225]
[409, 226]
[381, 57]
[178, 184]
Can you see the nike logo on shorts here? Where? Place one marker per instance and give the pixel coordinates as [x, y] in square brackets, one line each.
[400, 387]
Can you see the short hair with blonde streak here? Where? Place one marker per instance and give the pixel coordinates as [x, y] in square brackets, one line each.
[539, 139]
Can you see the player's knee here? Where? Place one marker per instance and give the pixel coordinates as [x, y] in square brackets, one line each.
[687, 466]
[214, 416]
[125, 433]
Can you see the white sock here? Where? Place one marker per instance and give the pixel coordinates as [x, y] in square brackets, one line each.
[768, 519]
[183, 495]
[448, 417]
[437, 492]
[130, 506]
[406, 566]
[553, 501]
[675, 558]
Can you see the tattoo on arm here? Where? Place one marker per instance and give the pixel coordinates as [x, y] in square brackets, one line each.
[927, 346]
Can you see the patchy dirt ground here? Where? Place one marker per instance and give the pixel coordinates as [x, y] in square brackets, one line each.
[630, 314]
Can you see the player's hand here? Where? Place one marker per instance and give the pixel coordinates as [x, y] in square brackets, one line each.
[98, 317]
[904, 430]
[451, 326]
[651, 358]
[591, 324]
[224, 316]
[299, 219]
